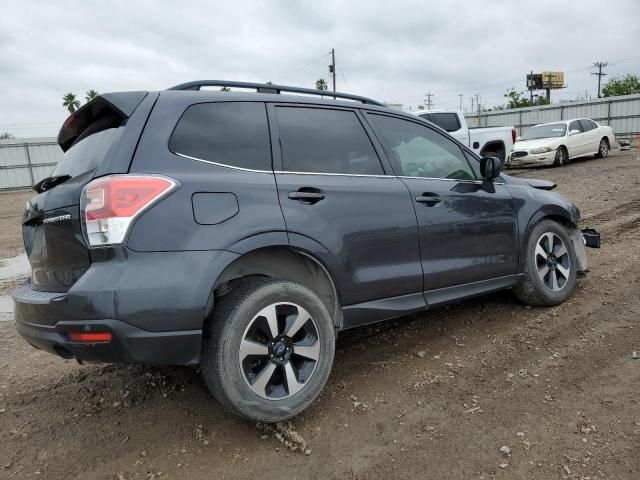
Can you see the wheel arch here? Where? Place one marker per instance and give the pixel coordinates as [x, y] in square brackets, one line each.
[555, 213]
[566, 149]
[285, 262]
[495, 146]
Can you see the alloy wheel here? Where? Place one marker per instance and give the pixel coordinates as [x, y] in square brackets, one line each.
[552, 261]
[279, 351]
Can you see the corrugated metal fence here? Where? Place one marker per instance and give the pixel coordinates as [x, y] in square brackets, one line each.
[24, 162]
[622, 114]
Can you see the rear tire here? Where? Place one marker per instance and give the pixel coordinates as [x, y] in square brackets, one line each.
[562, 157]
[603, 148]
[268, 349]
[550, 266]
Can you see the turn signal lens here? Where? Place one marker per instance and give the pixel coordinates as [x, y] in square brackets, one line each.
[110, 204]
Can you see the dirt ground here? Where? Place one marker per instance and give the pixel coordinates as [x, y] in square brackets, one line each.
[435, 395]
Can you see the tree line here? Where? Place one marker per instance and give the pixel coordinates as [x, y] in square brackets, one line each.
[617, 86]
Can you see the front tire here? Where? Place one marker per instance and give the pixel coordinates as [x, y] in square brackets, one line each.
[268, 349]
[562, 157]
[550, 266]
[603, 149]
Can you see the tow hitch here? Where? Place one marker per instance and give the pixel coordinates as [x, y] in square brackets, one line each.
[591, 237]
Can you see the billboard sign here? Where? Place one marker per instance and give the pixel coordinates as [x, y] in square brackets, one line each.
[544, 80]
[553, 79]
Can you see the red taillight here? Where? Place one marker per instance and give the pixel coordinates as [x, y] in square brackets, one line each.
[90, 337]
[111, 203]
[513, 135]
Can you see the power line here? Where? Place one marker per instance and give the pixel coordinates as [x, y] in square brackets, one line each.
[303, 66]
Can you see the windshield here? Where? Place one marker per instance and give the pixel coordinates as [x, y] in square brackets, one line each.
[545, 131]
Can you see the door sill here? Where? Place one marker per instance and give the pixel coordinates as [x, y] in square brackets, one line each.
[442, 296]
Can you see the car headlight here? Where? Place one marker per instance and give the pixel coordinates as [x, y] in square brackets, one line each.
[535, 151]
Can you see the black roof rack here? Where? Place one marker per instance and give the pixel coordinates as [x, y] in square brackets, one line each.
[270, 88]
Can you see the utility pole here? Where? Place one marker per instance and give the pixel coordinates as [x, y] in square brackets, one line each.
[472, 110]
[332, 68]
[427, 101]
[460, 101]
[531, 89]
[599, 66]
[478, 107]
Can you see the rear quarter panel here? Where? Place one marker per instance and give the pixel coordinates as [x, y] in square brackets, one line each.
[170, 225]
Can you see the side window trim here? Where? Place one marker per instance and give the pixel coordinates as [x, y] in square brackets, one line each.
[276, 145]
[422, 123]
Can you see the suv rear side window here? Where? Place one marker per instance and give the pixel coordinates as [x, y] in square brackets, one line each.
[230, 133]
[318, 140]
[419, 151]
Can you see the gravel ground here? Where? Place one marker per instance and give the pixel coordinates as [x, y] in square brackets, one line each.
[483, 389]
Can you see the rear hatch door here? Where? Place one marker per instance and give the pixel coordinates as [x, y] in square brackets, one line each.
[52, 227]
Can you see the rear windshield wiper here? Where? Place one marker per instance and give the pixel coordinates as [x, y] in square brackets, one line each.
[49, 182]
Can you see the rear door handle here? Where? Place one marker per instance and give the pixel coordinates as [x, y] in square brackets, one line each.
[428, 198]
[306, 197]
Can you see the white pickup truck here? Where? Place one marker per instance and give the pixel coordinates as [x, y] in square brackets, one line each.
[485, 141]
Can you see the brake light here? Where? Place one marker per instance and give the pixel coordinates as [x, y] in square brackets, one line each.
[90, 337]
[514, 134]
[110, 204]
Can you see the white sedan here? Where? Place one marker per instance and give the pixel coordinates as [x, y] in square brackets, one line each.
[558, 142]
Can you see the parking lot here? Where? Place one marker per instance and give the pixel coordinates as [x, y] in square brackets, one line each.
[430, 396]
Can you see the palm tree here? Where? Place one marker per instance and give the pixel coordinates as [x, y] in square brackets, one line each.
[321, 84]
[90, 95]
[71, 102]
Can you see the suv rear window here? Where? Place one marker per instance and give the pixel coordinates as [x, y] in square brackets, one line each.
[319, 140]
[88, 153]
[229, 133]
[86, 138]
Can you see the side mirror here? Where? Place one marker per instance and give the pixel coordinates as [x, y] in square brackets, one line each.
[574, 132]
[490, 167]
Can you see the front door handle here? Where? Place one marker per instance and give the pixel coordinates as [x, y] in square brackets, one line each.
[306, 197]
[430, 199]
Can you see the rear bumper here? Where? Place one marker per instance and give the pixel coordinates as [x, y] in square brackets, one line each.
[153, 304]
[128, 344]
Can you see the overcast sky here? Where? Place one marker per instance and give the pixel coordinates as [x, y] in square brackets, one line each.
[392, 51]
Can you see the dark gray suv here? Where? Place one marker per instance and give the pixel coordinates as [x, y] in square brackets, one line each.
[242, 230]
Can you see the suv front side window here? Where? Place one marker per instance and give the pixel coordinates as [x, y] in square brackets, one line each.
[320, 140]
[418, 151]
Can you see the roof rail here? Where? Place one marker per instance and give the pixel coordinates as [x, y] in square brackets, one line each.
[270, 88]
